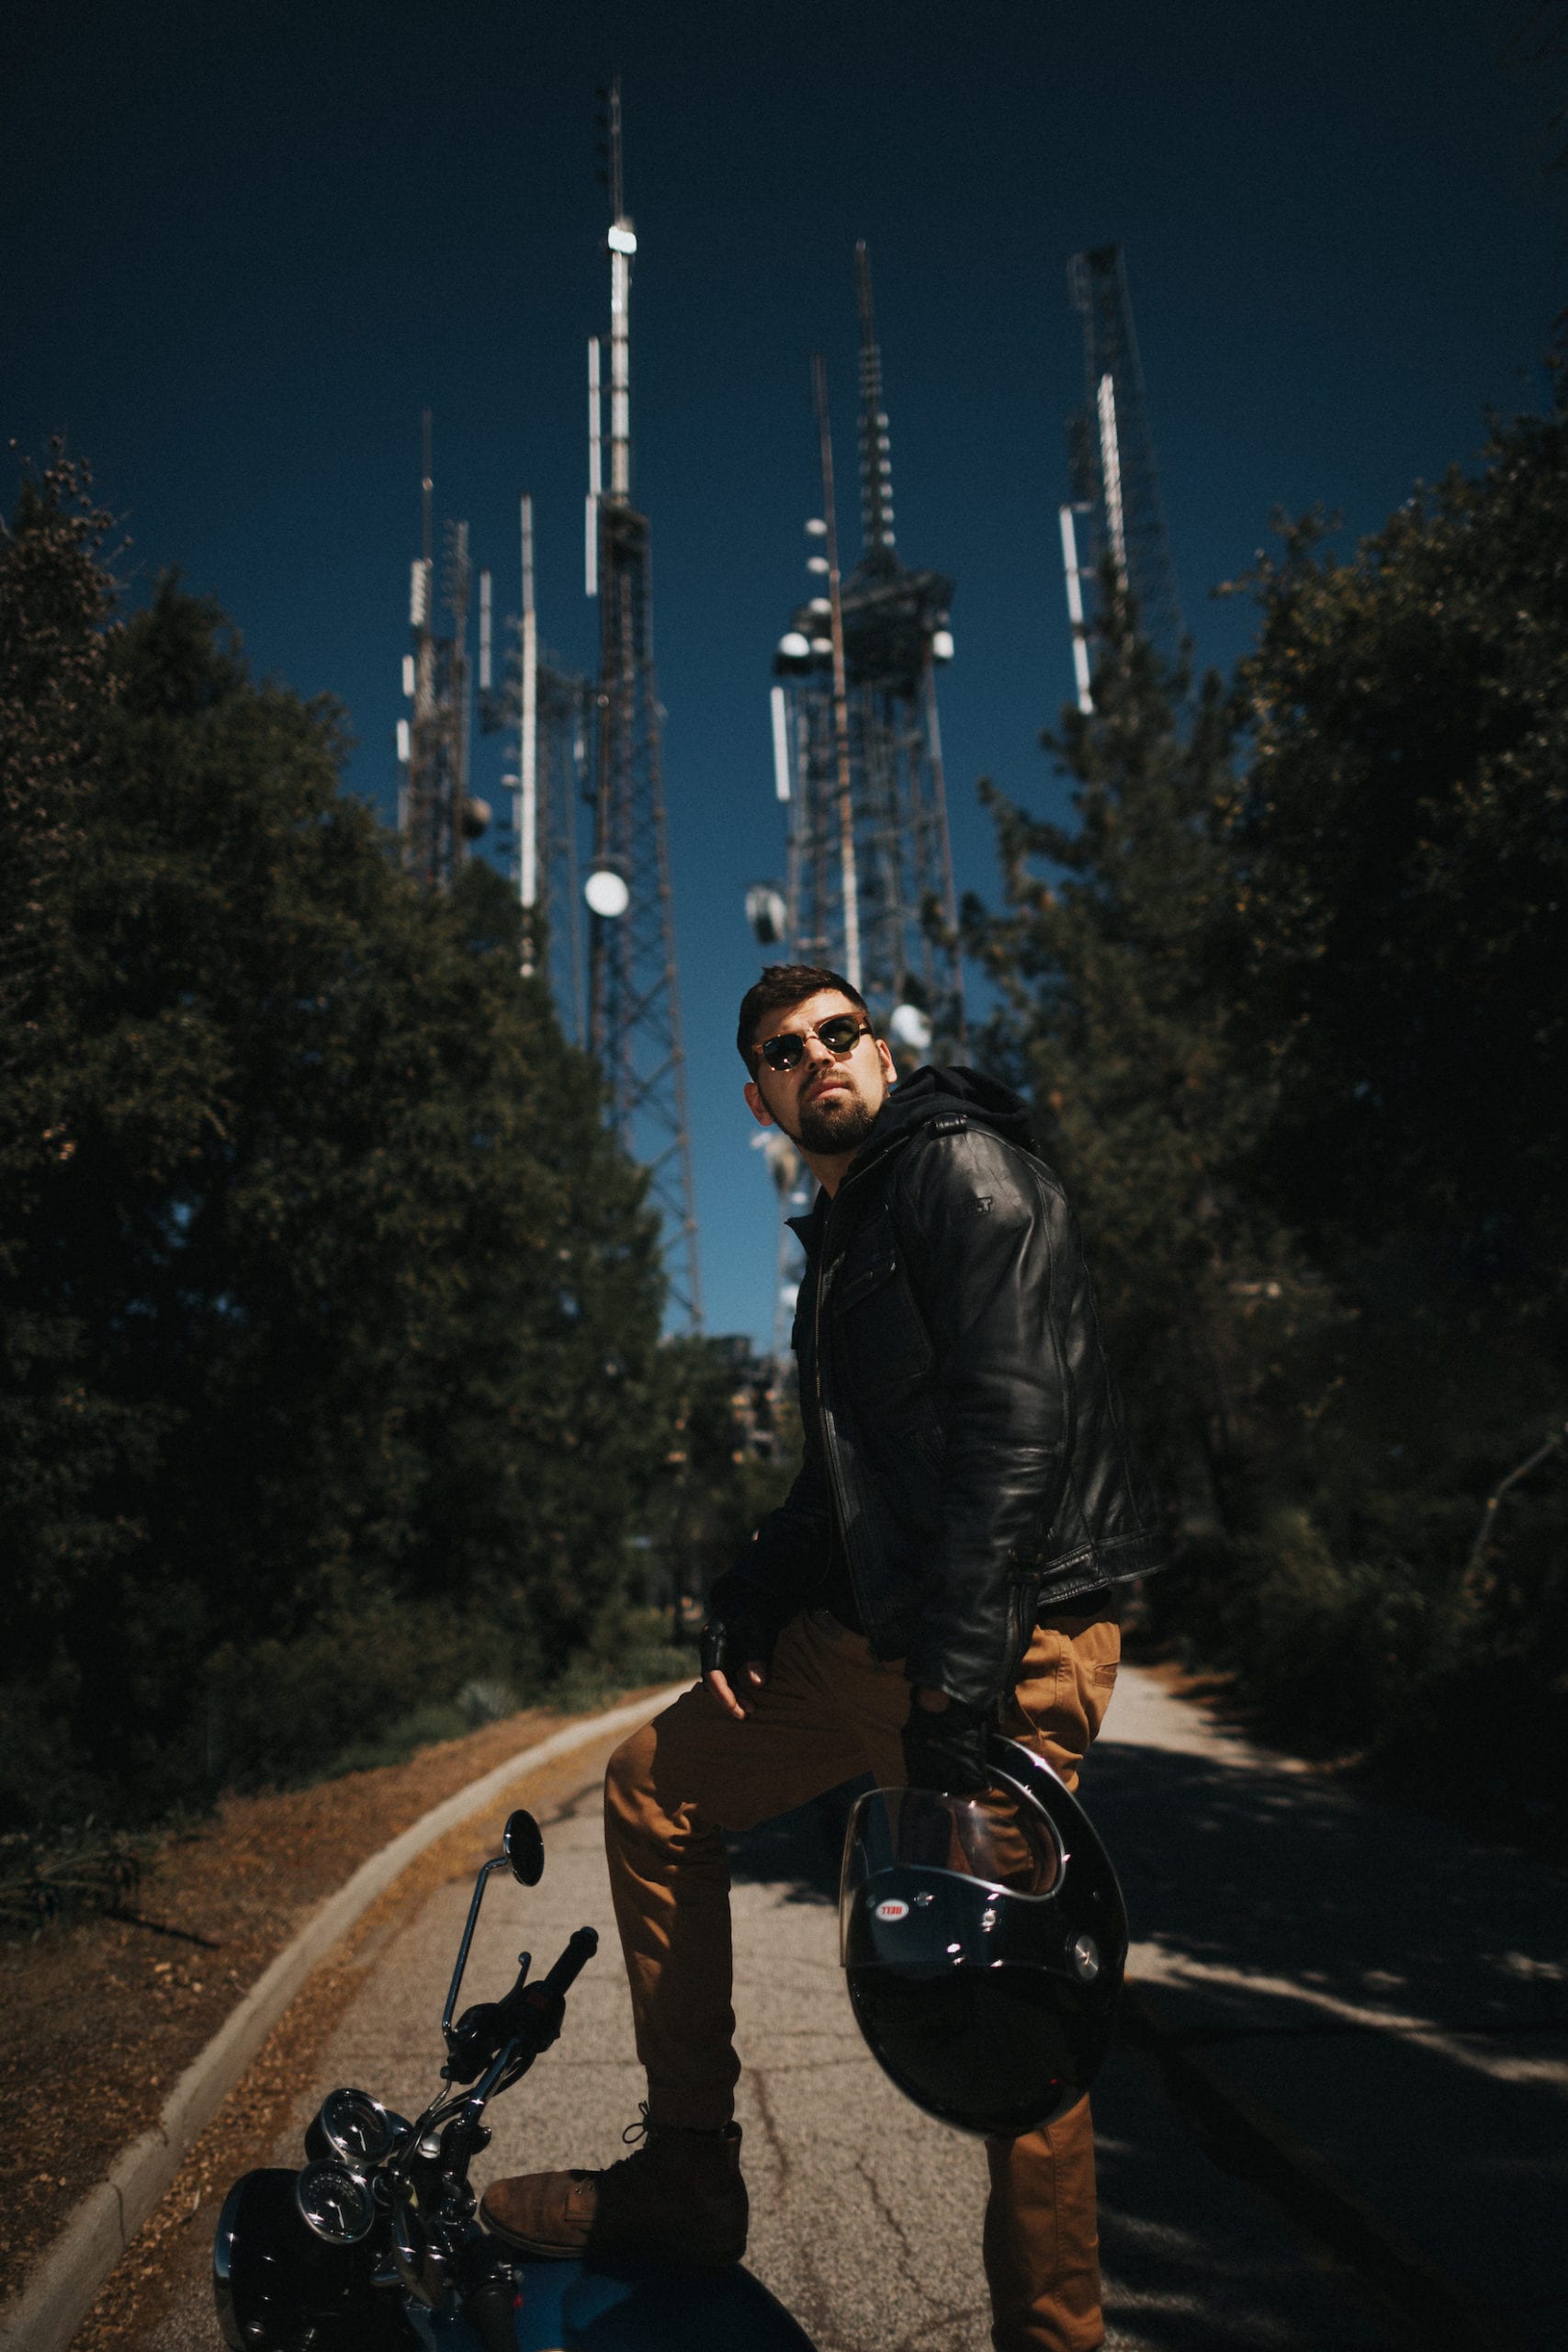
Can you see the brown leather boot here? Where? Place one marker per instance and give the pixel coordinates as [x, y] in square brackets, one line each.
[679, 2199]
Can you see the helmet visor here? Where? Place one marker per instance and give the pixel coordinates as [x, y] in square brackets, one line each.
[986, 1841]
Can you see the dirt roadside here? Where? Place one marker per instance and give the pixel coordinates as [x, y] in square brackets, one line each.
[102, 2017]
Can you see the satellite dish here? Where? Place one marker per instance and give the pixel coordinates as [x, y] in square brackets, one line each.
[766, 913]
[607, 892]
[476, 817]
[910, 1026]
[791, 646]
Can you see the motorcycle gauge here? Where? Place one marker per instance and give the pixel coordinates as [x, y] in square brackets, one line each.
[357, 2128]
[335, 2201]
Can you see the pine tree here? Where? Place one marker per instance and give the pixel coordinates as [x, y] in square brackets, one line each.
[1116, 964]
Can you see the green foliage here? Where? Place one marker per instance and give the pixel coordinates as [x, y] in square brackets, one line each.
[1115, 970]
[732, 1451]
[1402, 860]
[323, 1289]
[1291, 1002]
[44, 1881]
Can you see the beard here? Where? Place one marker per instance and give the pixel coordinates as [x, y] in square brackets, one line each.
[842, 1125]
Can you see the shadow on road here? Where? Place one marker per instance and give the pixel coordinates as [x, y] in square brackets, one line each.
[799, 1850]
[1396, 1995]
[1194, 2261]
[1391, 1992]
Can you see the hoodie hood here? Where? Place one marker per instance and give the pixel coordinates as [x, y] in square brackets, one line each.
[926, 1095]
[930, 1094]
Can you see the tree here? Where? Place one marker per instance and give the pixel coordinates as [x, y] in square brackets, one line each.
[1401, 873]
[1295, 1035]
[1115, 969]
[327, 1294]
[1403, 860]
[732, 1456]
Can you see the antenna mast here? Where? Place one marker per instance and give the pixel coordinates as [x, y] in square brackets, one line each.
[1111, 460]
[633, 989]
[857, 762]
[528, 749]
[849, 880]
[436, 814]
[547, 706]
[857, 750]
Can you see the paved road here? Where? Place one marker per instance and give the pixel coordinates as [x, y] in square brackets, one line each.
[1407, 2042]
[1395, 1993]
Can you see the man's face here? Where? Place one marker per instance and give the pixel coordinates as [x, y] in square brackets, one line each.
[826, 1102]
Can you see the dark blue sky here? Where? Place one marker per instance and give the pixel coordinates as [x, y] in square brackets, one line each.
[240, 250]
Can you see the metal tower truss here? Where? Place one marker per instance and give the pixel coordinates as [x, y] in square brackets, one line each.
[551, 710]
[858, 756]
[857, 761]
[634, 1018]
[436, 816]
[1110, 463]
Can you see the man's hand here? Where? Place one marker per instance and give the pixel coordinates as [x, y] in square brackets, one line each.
[945, 1745]
[734, 1653]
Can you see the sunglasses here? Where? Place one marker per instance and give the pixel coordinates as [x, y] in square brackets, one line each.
[841, 1035]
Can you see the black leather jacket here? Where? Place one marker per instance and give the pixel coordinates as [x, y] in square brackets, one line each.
[964, 1432]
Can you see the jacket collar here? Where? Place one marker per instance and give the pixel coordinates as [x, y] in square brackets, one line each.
[955, 1097]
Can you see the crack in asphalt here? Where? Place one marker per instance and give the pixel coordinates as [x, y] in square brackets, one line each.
[941, 2312]
[759, 2081]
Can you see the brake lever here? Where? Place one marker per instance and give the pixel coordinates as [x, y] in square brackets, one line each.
[534, 2012]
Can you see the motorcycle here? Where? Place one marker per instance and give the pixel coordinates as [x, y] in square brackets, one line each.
[374, 2243]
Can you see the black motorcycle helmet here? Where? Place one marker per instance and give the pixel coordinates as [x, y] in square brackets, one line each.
[984, 1939]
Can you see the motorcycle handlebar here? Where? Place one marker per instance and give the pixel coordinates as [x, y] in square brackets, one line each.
[529, 2014]
[579, 1951]
[534, 2012]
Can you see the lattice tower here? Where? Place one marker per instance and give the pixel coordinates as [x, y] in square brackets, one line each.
[634, 1015]
[857, 761]
[436, 814]
[1111, 459]
[857, 753]
[550, 709]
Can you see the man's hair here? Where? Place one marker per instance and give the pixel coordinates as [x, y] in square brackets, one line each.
[781, 986]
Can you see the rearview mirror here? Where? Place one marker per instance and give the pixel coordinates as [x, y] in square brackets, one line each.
[524, 1848]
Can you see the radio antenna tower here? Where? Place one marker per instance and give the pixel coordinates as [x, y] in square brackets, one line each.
[436, 816]
[857, 762]
[1114, 480]
[857, 750]
[549, 709]
[634, 1016]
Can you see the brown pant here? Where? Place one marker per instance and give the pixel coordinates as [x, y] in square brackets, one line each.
[828, 1712]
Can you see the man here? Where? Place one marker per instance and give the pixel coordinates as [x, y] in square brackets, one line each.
[945, 1561]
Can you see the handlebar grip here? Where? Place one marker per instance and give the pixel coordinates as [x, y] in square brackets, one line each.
[579, 1951]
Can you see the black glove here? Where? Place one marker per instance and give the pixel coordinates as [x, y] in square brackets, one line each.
[945, 1749]
[729, 1644]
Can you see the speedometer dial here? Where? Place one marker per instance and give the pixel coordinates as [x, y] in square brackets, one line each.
[357, 2127]
[336, 2202]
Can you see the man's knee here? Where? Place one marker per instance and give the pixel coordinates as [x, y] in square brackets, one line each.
[629, 1776]
[660, 1781]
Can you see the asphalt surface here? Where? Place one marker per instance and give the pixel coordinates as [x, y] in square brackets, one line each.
[1394, 1994]
[1383, 1990]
